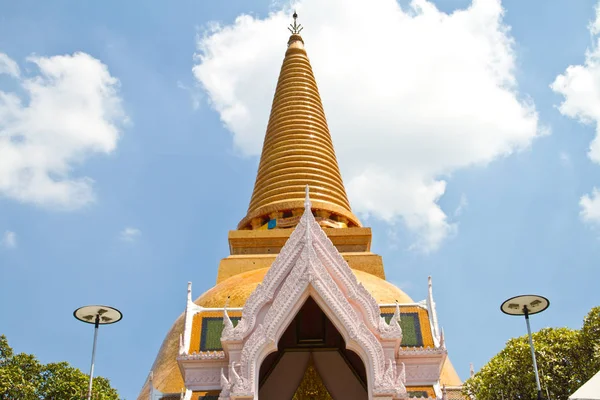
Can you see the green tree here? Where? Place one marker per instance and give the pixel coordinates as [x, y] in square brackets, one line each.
[23, 377]
[590, 343]
[566, 359]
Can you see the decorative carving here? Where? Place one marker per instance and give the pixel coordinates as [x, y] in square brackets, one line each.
[303, 264]
[227, 324]
[422, 373]
[203, 377]
[411, 351]
[241, 386]
[225, 387]
[312, 386]
[401, 378]
[308, 258]
[392, 382]
[338, 267]
[264, 292]
[203, 355]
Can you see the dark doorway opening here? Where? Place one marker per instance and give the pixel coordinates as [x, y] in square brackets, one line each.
[311, 340]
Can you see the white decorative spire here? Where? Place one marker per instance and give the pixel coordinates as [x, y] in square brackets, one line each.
[225, 386]
[396, 317]
[228, 325]
[432, 312]
[444, 393]
[307, 204]
[234, 377]
[471, 370]
[153, 394]
[308, 212]
[190, 310]
[401, 375]
[181, 346]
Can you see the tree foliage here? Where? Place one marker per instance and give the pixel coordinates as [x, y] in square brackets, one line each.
[566, 359]
[23, 377]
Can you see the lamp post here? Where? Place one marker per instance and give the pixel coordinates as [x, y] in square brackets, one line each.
[527, 305]
[97, 315]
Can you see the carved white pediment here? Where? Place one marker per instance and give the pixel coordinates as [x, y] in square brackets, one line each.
[323, 250]
[309, 265]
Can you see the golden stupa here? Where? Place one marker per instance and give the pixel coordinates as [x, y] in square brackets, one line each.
[297, 151]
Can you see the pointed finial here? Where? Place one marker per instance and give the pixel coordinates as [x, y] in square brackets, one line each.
[307, 203]
[227, 323]
[442, 340]
[444, 393]
[397, 312]
[181, 345]
[471, 370]
[295, 28]
[189, 291]
[432, 312]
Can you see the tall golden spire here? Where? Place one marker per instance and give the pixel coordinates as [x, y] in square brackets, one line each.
[297, 151]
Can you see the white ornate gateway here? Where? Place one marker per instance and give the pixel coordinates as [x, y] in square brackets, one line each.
[309, 266]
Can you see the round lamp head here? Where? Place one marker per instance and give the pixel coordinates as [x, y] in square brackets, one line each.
[525, 304]
[106, 315]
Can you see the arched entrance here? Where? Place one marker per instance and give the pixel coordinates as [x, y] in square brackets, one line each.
[312, 357]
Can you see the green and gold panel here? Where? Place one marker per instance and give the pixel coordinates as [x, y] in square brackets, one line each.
[207, 328]
[420, 392]
[210, 337]
[414, 322]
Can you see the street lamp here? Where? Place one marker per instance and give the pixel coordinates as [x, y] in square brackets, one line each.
[527, 305]
[97, 315]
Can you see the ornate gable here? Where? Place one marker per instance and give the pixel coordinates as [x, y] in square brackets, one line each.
[309, 265]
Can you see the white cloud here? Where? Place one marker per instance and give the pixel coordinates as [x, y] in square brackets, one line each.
[9, 240]
[580, 87]
[8, 66]
[411, 95]
[71, 111]
[590, 207]
[129, 234]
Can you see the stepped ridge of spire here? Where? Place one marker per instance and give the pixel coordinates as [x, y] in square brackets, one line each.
[297, 151]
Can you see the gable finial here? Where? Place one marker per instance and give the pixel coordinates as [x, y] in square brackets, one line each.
[295, 28]
[432, 311]
[307, 204]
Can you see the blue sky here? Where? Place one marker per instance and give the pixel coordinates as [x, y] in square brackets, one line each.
[124, 200]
